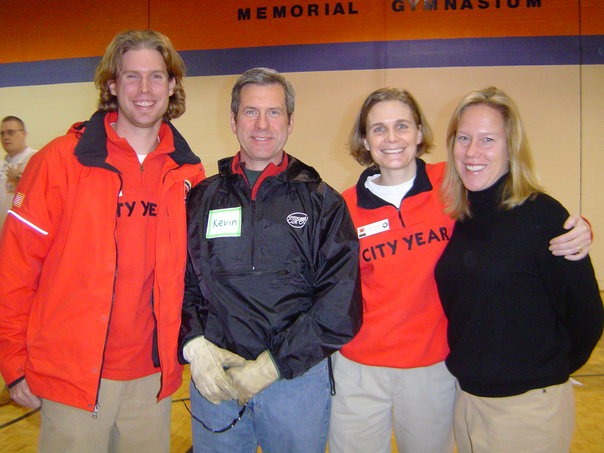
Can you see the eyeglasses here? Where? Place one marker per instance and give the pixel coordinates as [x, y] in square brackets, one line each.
[10, 132]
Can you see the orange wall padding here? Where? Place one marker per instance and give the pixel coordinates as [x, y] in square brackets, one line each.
[36, 30]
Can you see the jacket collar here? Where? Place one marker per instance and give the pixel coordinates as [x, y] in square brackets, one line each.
[368, 200]
[238, 167]
[294, 170]
[91, 150]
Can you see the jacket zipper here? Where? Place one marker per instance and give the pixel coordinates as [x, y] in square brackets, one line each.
[162, 195]
[400, 217]
[97, 406]
[277, 272]
[253, 206]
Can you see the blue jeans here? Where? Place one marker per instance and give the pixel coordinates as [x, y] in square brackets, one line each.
[288, 416]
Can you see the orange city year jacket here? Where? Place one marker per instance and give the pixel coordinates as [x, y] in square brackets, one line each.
[58, 262]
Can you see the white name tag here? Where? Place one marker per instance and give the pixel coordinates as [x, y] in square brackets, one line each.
[373, 228]
[223, 223]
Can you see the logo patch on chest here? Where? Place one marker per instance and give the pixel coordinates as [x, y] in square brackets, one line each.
[297, 219]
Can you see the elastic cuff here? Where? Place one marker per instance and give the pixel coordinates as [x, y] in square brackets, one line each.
[274, 364]
[15, 382]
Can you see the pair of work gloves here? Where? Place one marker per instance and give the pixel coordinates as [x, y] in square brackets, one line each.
[221, 375]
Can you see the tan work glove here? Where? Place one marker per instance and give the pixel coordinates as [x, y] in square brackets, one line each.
[208, 362]
[253, 376]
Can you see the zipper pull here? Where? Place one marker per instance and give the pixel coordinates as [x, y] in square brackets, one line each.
[95, 412]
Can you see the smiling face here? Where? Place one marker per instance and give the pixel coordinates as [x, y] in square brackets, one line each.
[392, 138]
[262, 125]
[480, 150]
[143, 89]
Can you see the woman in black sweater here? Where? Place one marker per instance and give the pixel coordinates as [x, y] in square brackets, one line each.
[520, 319]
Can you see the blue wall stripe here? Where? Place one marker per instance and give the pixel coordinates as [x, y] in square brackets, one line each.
[437, 53]
[48, 72]
[593, 49]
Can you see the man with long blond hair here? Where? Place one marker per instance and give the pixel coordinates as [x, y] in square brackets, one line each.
[91, 295]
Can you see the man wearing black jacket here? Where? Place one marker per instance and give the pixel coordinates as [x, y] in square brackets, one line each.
[272, 285]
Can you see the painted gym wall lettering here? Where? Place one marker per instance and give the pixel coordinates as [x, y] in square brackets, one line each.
[433, 5]
[284, 11]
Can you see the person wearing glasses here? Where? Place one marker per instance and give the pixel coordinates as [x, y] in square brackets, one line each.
[14, 135]
[272, 287]
[92, 258]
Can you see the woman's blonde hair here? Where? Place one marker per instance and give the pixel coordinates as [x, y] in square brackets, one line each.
[522, 181]
[109, 67]
[359, 130]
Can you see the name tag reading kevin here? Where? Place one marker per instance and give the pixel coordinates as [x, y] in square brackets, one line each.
[224, 223]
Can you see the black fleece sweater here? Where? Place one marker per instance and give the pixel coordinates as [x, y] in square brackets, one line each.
[519, 317]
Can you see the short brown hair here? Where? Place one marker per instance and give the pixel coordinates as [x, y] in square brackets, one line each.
[359, 130]
[263, 77]
[16, 119]
[109, 67]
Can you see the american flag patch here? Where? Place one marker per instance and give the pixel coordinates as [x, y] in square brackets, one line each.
[18, 200]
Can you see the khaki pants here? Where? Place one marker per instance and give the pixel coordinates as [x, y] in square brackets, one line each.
[372, 401]
[130, 420]
[538, 421]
